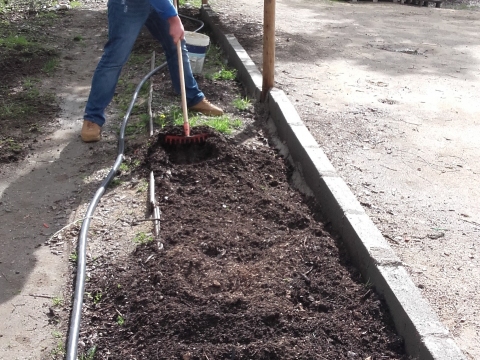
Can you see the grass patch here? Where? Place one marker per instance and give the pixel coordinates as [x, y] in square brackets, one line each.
[50, 66]
[222, 74]
[137, 124]
[223, 124]
[96, 297]
[57, 301]
[90, 354]
[242, 104]
[115, 182]
[14, 41]
[194, 3]
[120, 320]
[59, 350]
[75, 4]
[126, 167]
[73, 257]
[142, 238]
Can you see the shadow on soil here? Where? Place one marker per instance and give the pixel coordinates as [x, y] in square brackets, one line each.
[37, 205]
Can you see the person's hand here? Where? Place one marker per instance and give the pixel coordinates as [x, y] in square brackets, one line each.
[176, 29]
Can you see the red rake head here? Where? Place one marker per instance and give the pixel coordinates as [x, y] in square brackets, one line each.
[183, 139]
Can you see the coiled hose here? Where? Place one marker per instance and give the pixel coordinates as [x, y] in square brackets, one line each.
[75, 318]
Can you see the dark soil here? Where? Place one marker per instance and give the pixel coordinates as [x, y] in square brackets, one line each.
[247, 270]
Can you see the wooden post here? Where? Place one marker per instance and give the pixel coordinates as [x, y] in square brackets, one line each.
[268, 47]
[205, 2]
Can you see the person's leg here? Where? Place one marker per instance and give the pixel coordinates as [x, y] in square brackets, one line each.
[160, 30]
[125, 20]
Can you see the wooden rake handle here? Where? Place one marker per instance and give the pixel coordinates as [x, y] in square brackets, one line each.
[186, 125]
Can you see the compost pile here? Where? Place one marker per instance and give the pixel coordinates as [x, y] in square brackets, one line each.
[247, 270]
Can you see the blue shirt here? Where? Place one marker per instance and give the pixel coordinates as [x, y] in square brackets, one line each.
[164, 8]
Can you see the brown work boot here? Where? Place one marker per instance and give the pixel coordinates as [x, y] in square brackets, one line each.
[206, 108]
[91, 132]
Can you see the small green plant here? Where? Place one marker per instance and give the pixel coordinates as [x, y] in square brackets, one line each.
[78, 37]
[142, 238]
[368, 284]
[142, 186]
[90, 355]
[120, 320]
[124, 167]
[214, 56]
[57, 334]
[50, 65]
[73, 257]
[57, 301]
[242, 104]
[14, 41]
[194, 3]
[115, 182]
[138, 125]
[95, 297]
[75, 4]
[59, 350]
[160, 120]
[222, 74]
[223, 124]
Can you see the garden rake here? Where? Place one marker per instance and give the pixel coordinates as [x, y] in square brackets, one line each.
[186, 138]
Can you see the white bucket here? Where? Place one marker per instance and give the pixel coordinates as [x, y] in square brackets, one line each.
[197, 48]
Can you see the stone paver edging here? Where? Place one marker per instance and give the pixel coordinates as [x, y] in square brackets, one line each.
[426, 338]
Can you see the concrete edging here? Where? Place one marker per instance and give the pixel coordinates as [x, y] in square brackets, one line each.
[426, 338]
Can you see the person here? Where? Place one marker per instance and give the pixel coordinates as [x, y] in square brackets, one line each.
[125, 21]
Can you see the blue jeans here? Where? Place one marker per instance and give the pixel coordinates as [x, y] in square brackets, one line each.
[125, 21]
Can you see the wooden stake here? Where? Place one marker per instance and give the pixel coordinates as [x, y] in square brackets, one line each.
[268, 47]
[205, 2]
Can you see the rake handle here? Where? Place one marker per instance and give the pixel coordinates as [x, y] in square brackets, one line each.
[186, 125]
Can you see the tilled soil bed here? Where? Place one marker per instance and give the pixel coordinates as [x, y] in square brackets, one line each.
[245, 270]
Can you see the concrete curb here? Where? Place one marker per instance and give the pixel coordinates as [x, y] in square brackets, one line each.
[425, 336]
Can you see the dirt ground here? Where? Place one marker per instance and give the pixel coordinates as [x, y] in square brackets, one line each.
[391, 92]
[247, 270]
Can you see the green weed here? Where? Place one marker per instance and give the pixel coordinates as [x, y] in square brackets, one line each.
[75, 4]
[138, 125]
[194, 3]
[90, 355]
[120, 320]
[242, 104]
[223, 124]
[59, 350]
[14, 41]
[11, 145]
[142, 186]
[214, 56]
[222, 74]
[142, 238]
[95, 297]
[50, 65]
[115, 182]
[57, 301]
